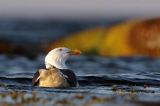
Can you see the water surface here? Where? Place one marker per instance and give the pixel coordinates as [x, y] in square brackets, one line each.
[113, 78]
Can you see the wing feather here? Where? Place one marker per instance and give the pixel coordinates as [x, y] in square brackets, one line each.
[36, 77]
[70, 76]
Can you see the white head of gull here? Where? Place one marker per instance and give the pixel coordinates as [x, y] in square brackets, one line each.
[56, 73]
[57, 58]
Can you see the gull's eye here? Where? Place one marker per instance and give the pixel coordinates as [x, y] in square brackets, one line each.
[60, 49]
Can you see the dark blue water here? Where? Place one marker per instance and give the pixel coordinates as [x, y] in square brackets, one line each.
[103, 77]
[91, 71]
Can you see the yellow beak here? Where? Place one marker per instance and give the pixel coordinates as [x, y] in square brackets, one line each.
[75, 52]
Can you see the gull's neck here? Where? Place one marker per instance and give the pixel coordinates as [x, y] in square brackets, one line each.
[56, 62]
[60, 64]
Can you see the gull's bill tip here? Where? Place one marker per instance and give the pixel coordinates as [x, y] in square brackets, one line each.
[75, 52]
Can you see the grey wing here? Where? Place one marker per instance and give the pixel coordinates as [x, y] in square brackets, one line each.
[35, 79]
[70, 76]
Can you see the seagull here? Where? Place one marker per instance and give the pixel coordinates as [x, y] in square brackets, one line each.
[56, 73]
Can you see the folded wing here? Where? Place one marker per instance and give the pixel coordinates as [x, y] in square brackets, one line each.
[70, 76]
[36, 77]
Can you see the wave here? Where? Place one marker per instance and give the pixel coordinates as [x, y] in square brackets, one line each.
[89, 80]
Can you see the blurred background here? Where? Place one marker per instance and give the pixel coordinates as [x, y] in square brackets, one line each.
[119, 40]
[99, 27]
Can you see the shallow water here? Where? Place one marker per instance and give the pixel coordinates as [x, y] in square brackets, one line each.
[104, 77]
